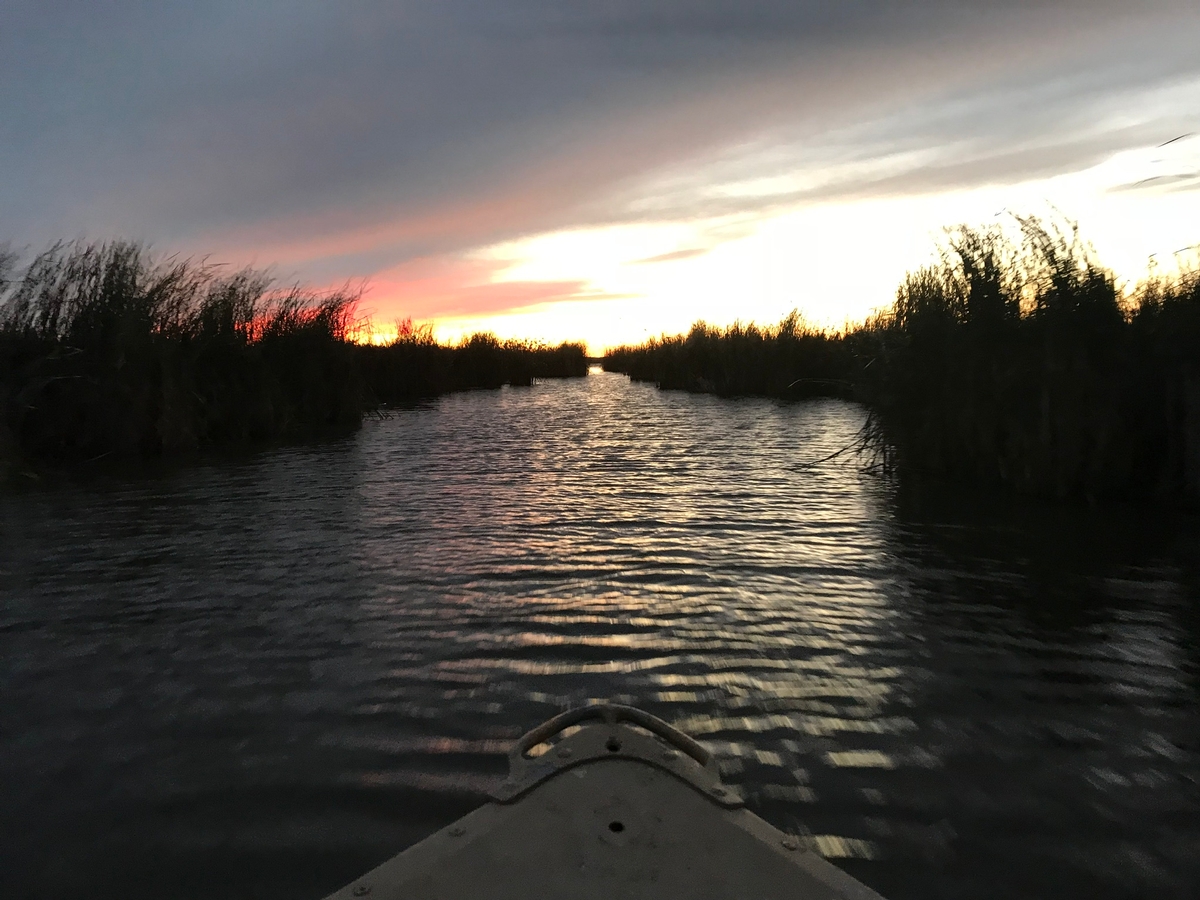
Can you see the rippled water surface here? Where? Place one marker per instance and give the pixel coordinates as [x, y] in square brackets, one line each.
[259, 677]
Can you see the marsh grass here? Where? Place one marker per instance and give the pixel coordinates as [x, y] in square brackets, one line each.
[1024, 364]
[1014, 360]
[790, 359]
[414, 365]
[106, 350]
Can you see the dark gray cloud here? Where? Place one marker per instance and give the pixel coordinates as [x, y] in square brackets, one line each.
[1018, 128]
[364, 133]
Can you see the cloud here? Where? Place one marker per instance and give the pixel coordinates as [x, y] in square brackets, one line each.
[1183, 181]
[1171, 167]
[673, 256]
[444, 287]
[350, 139]
[963, 139]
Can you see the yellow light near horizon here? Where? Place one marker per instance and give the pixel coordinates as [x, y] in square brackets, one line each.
[836, 262]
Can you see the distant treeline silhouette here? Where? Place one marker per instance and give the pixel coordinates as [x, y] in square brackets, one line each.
[106, 350]
[1012, 361]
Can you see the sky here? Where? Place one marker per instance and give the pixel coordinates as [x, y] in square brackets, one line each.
[603, 171]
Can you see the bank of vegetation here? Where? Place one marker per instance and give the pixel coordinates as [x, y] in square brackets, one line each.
[107, 351]
[1016, 360]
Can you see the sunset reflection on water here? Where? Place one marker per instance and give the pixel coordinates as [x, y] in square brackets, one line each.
[277, 671]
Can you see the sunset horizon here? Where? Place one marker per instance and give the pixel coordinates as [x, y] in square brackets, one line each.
[604, 175]
[628, 448]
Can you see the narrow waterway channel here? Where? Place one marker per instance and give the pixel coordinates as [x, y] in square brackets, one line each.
[258, 677]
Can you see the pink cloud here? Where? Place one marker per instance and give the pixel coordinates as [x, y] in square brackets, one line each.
[445, 287]
[329, 234]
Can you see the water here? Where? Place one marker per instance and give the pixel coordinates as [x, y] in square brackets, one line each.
[258, 677]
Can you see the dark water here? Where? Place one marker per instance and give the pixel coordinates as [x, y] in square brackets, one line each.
[257, 678]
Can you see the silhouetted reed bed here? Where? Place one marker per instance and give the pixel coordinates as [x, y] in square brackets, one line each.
[414, 365]
[787, 360]
[105, 350]
[1017, 362]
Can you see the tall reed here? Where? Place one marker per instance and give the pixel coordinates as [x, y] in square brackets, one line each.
[790, 359]
[1013, 360]
[1023, 364]
[414, 365]
[106, 350]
